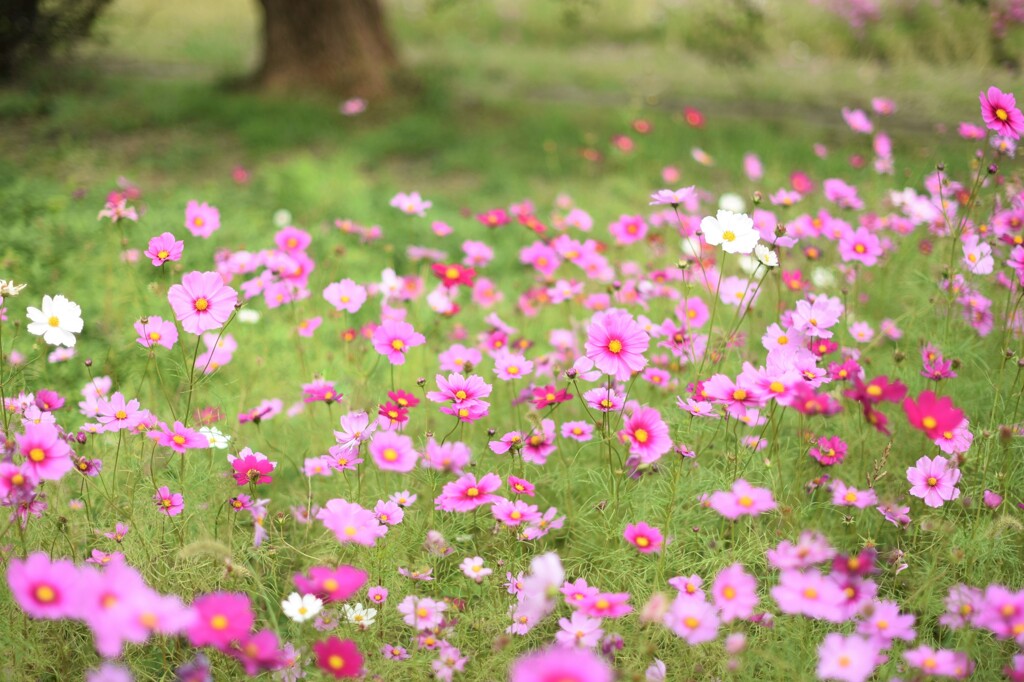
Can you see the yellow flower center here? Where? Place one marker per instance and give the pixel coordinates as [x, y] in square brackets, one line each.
[615, 346]
[691, 622]
[1002, 114]
[162, 254]
[335, 662]
[53, 321]
[391, 454]
[219, 622]
[398, 344]
[178, 439]
[932, 480]
[641, 436]
[929, 422]
[201, 304]
[729, 236]
[642, 542]
[745, 501]
[45, 594]
[37, 454]
[729, 592]
[472, 492]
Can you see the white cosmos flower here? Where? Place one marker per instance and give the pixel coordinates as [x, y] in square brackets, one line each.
[215, 437]
[9, 288]
[58, 321]
[248, 316]
[766, 256]
[301, 608]
[732, 202]
[734, 231]
[359, 615]
[823, 278]
[282, 217]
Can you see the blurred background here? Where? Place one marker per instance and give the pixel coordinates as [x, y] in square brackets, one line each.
[481, 101]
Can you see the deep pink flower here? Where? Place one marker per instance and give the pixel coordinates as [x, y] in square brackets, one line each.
[1000, 113]
[167, 502]
[202, 301]
[647, 435]
[331, 584]
[467, 493]
[932, 414]
[645, 538]
[252, 469]
[44, 588]
[221, 618]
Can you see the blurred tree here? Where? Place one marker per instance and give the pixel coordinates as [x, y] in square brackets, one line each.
[30, 29]
[339, 46]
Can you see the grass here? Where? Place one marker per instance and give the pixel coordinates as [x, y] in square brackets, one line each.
[506, 101]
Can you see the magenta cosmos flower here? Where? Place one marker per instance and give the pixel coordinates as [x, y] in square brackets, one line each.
[393, 452]
[934, 481]
[45, 589]
[617, 343]
[331, 584]
[1000, 112]
[467, 493]
[339, 657]
[202, 301]
[645, 538]
[646, 434]
[742, 500]
[221, 618]
[169, 503]
[561, 664]
[47, 457]
[393, 339]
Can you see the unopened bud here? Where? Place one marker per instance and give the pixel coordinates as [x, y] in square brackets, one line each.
[757, 198]
[940, 167]
[993, 169]
[421, 382]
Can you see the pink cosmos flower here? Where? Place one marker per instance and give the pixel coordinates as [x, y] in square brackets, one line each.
[520, 486]
[828, 451]
[847, 658]
[178, 438]
[351, 523]
[514, 513]
[645, 538]
[1000, 113]
[561, 664]
[167, 502]
[467, 493]
[345, 295]
[742, 500]
[452, 456]
[393, 452]
[735, 593]
[411, 204]
[422, 613]
[474, 569]
[509, 366]
[393, 339]
[811, 594]
[689, 586]
[884, 624]
[939, 662]
[155, 331]
[221, 618]
[331, 584]
[309, 326]
[616, 343]
[858, 121]
[202, 220]
[164, 248]
[45, 588]
[579, 631]
[116, 414]
[202, 301]
[934, 480]
[845, 496]
[647, 435]
[694, 620]
[606, 605]
[47, 456]
[860, 245]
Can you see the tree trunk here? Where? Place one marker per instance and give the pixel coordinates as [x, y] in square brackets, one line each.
[338, 46]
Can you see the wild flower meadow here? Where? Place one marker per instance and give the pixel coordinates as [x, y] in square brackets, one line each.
[720, 437]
